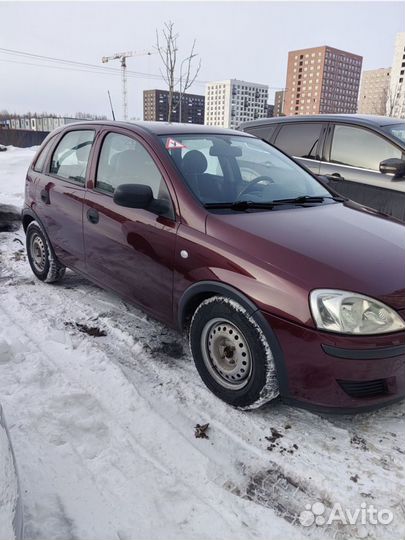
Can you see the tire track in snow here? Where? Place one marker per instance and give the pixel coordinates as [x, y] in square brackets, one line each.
[143, 453]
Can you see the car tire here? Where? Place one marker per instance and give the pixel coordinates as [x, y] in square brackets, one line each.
[41, 256]
[232, 354]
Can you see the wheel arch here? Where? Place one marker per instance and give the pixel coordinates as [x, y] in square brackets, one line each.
[27, 216]
[198, 292]
[202, 290]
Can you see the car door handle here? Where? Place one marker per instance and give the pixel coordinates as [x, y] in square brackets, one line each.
[45, 196]
[335, 176]
[92, 215]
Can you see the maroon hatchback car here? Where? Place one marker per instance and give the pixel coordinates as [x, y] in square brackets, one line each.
[285, 288]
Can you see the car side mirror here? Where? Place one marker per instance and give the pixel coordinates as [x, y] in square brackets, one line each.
[133, 195]
[393, 166]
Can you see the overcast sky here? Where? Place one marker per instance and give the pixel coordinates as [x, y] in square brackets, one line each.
[243, 40]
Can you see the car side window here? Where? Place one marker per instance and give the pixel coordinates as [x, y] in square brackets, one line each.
[262, 132]
[40, 161]
[124, 160]
[299, 139]
[361, 148]
[71, 156]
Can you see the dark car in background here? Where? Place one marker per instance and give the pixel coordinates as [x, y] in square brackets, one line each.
[361, 157]
[284, 288]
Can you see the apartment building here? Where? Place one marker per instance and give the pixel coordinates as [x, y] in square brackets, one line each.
[374, 89]
[156, 107]
[322, 80]
[396, 95]
[229, 103]
[279, 98]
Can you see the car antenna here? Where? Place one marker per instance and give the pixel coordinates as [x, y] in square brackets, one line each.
[111, 105]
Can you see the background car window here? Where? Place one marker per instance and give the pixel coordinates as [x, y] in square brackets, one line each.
[396, 130]
[124, 160]
[262, 132]
[299, 140]
[39, 163]
[360, 148]
[71, 156]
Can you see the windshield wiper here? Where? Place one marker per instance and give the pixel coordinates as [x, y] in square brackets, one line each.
[240, 205]
[245, 205]
[309, 199]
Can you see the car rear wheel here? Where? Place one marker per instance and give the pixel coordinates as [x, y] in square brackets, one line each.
[232, 354]
[41, 256]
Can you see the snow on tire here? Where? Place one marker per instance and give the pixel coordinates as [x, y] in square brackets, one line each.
[41, 256]
[232, 354]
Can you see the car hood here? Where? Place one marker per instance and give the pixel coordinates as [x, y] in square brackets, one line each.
[336, 246]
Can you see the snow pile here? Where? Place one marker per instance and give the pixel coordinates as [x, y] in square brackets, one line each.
[13, 168]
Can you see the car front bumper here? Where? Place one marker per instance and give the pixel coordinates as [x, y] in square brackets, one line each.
[339, 373]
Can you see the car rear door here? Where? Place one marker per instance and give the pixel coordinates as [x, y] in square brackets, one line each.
[130, 250]
[302, 141]
[351, 161]
[59, 194]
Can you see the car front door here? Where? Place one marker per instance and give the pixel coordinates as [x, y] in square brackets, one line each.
[302, 141]
[130, 250]
[60, 189]
[352, 163]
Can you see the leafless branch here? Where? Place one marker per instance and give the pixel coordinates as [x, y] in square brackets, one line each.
[166, 46]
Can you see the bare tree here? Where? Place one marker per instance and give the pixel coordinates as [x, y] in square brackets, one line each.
[166, 45]
[392, 98]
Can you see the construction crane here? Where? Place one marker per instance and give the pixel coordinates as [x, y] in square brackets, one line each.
[122, 57]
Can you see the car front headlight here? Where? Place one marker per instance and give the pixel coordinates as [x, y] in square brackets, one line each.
[352, 313]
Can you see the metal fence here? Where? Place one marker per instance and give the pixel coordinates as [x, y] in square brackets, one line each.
[23, 138]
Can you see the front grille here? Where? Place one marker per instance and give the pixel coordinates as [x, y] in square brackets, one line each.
[365, 389]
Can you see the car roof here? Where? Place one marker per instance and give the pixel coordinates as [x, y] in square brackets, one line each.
[160, 128]
[359, 119]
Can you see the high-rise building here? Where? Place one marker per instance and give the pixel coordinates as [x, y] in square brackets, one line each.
[156, 107]
[269, 110]
[279, 98]
[322, 80]
[231, 102]
[396, 95]
[374, 89]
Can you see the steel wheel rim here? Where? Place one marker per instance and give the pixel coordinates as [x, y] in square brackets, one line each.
[38, 252]
[226, 353]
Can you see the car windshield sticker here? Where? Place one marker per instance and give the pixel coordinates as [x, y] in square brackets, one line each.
[172, 144]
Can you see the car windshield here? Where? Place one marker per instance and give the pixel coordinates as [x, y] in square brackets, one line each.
[396, 130]
[232, 168]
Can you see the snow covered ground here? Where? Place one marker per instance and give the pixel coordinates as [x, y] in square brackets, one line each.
[103, 426]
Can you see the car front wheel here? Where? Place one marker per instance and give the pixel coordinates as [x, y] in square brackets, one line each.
[41, 256]
[232, 354]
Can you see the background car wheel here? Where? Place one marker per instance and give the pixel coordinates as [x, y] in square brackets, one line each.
[231, 354]
[41, 257]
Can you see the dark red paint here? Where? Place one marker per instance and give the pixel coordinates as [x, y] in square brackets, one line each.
[274, 258]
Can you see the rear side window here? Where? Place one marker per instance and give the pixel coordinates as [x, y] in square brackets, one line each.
[299, 140]
[40, 161]
[71, 156]
[262, 132]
